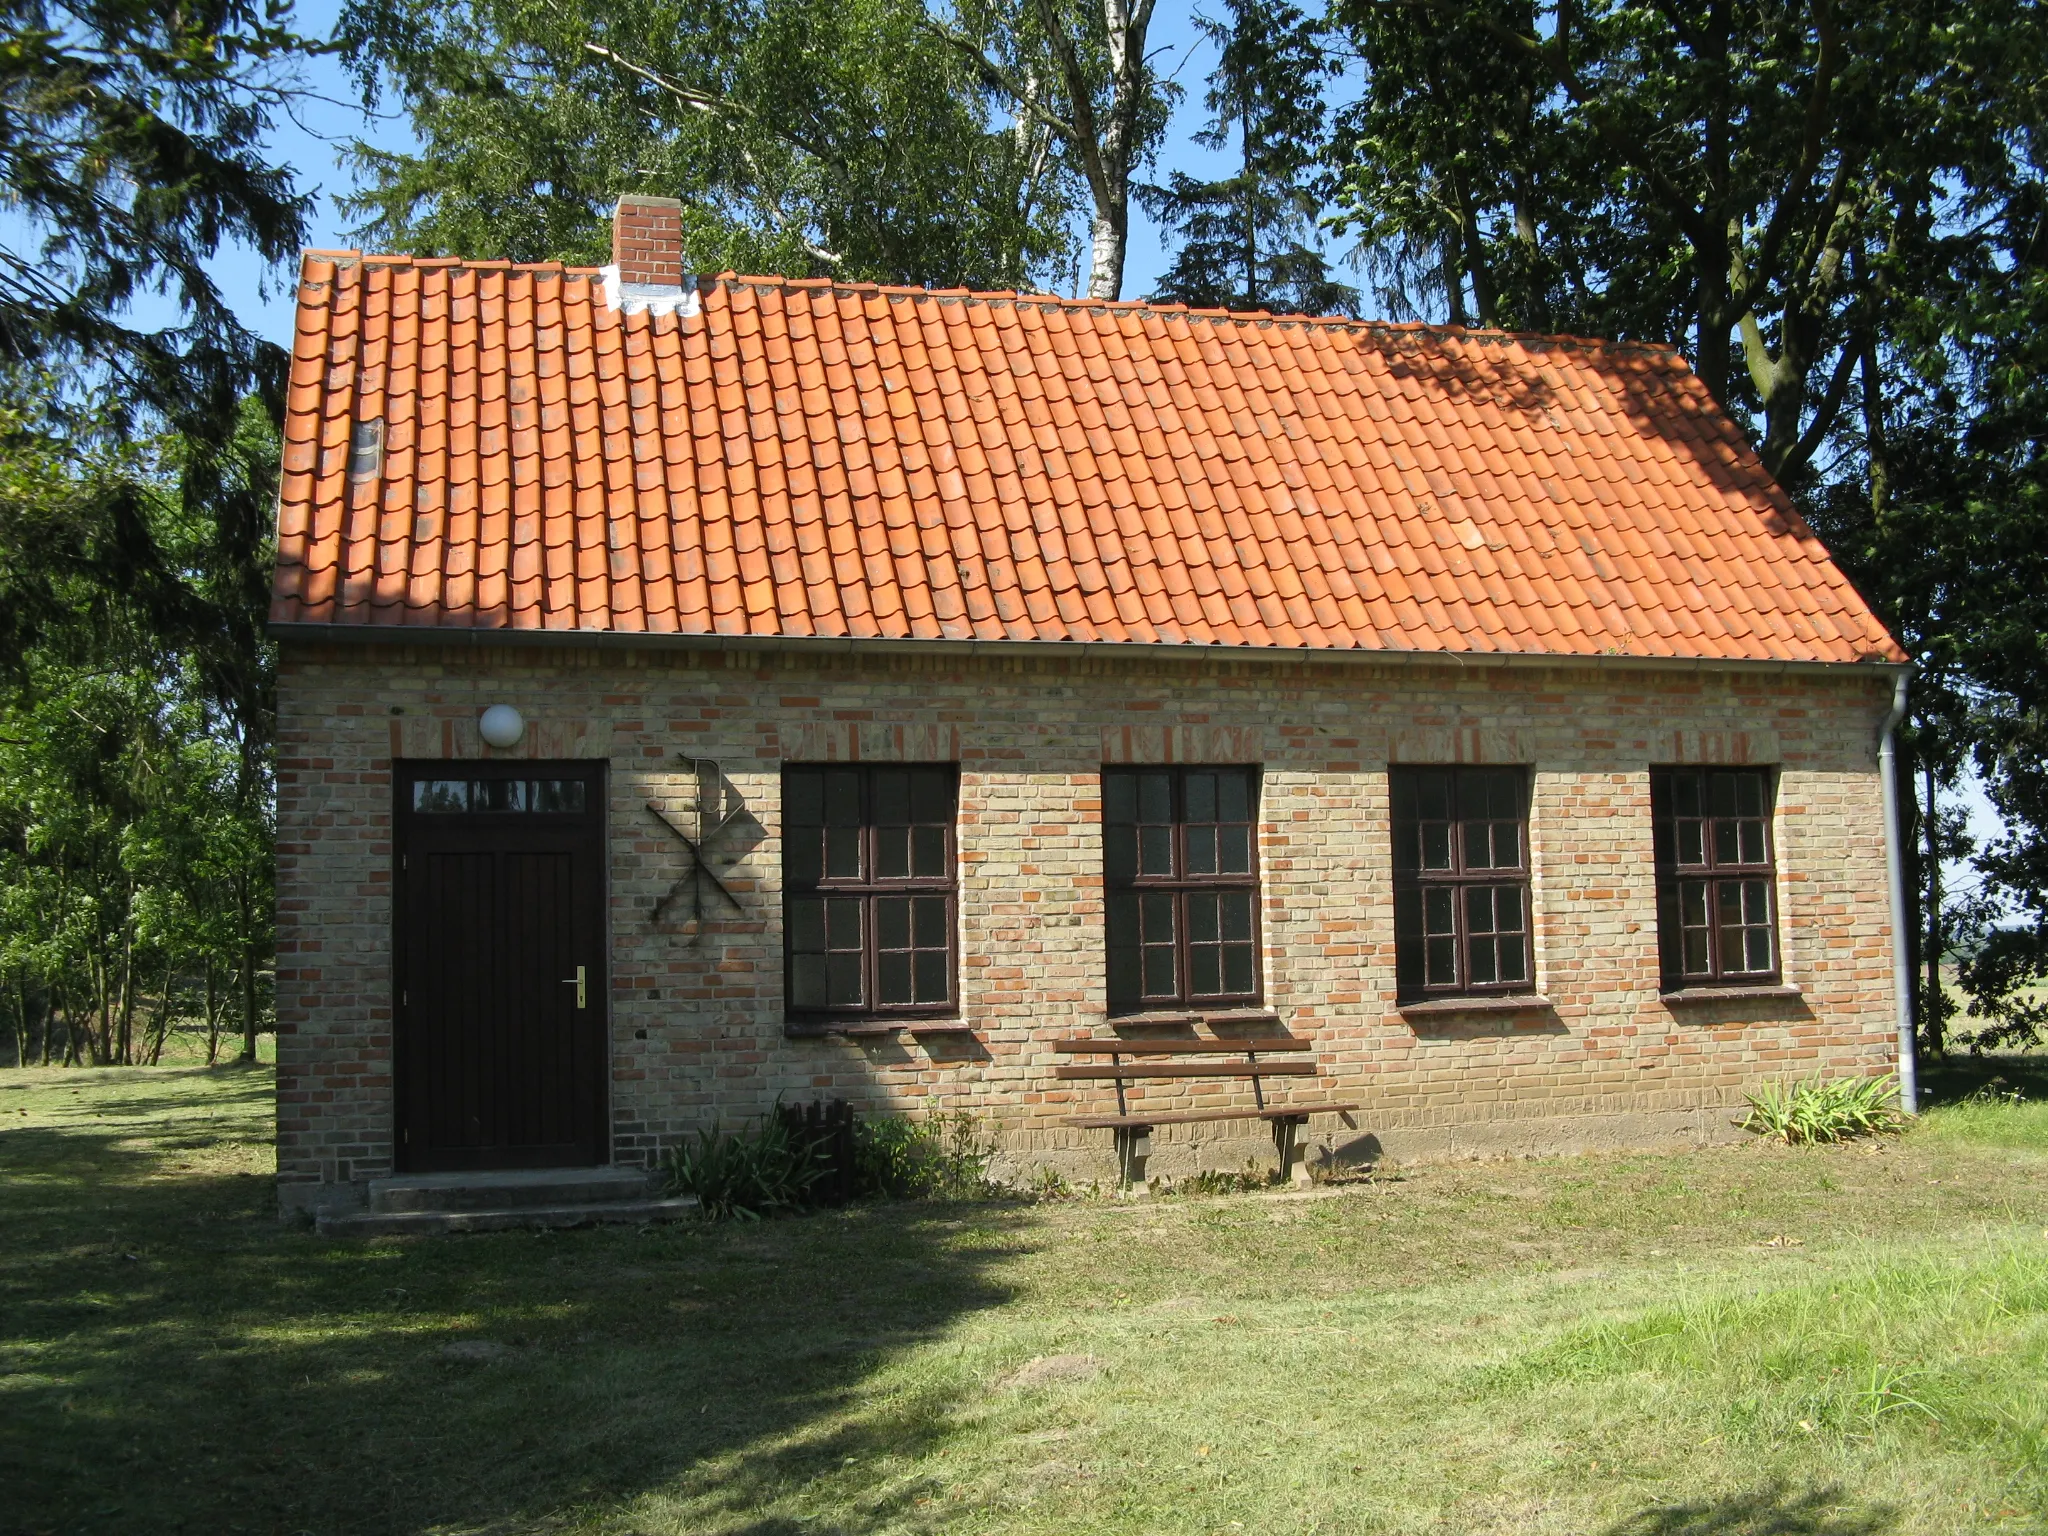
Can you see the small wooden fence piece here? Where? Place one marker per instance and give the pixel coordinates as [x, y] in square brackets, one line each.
[826, 1127]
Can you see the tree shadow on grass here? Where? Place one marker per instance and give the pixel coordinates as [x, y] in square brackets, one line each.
[1772, 1510]
[174, 1360]
[1957, 1076]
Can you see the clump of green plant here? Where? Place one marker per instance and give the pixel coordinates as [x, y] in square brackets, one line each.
[748, 1173]
[784, 1162]
[937, 1157]
[1998, 1093]
[1048, 1184]
[1819, 1110]
[1217, 1181]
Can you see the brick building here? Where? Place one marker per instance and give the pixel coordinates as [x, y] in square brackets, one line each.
[891, 683]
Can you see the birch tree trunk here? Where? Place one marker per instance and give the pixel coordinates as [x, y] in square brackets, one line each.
[1106, 143]
[160, 1027]
[249, 954]
[125, 1043]
[214, 1005]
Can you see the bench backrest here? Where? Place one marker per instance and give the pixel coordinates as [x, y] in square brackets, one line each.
[1188, 1058]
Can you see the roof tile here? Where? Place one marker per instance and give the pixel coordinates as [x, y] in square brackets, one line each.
[818, 458]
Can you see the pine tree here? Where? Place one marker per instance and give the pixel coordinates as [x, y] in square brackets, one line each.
[1248, 241]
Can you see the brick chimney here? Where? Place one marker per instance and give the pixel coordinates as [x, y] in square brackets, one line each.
[647, 242]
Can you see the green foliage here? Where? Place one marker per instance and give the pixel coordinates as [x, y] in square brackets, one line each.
[769, 1167]
[1217, 1181]
[1047, 1183]
[133, 148]
[746, 1174]
[937, 1157]
[843, 139]
[1248, 241]
[1823, 1110]
[1746, 180]
[138, 477]
[135, 805]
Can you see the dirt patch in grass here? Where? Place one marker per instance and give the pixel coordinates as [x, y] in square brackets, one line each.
[1050, 1370]
[1841, 1340]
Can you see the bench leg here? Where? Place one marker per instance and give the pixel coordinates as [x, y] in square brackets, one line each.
[1133, 1146]
[1290, 1140]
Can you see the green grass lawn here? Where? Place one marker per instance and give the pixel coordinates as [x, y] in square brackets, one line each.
[1841, 1340]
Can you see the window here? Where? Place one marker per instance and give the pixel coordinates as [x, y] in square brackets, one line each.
[490, 797]
[868, 890]
[1716, 904]
[1461, 882]
[1180, 874]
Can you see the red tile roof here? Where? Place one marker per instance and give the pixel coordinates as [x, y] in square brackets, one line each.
[818, 459]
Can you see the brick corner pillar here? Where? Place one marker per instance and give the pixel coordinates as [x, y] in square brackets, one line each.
[647, 241]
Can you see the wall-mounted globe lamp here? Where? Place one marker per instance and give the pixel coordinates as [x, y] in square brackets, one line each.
[501, 726]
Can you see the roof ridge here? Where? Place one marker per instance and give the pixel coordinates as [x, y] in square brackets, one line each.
[1260, 317]
[1486, 335]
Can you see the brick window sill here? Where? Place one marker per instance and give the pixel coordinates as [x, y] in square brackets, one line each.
[1444, 1007]
[863, 1028]
[1686, 995]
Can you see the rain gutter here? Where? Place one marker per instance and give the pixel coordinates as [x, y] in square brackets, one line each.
[1098, 650]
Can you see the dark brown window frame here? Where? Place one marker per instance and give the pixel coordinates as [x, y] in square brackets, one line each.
[867, 888]
[1180, 886]
[1417, 883]
[1720, 866]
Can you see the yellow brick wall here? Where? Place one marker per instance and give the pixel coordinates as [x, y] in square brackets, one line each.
[697, 1028]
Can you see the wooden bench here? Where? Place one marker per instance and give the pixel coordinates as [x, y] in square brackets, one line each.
[1193, 1059]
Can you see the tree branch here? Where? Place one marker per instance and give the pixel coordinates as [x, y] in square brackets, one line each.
[1756, 354]
[702, 101]
[1814, 141]
[996, 78]
[1824, 414]
[722, 106]
[1084, 135]
[1681, 207]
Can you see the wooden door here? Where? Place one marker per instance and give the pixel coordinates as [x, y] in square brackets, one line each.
[499, 951]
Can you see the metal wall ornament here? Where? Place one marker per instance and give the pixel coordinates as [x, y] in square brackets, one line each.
[724, 830]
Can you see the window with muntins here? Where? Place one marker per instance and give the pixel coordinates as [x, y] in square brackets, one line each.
[869, 890]
[498, 796]
[1461, 882]
[1181, 882]
[1716, 875]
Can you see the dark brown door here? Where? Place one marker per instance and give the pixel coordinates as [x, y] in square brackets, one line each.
[500, 965]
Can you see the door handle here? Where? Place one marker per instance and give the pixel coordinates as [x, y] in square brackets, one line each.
[582, 989]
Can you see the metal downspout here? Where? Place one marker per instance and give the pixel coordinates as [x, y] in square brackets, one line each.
[1895, 873]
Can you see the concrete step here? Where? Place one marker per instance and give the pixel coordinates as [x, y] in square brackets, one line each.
[502, 1219]
[508, 1189]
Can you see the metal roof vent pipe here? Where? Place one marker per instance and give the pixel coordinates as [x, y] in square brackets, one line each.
[646, 274]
